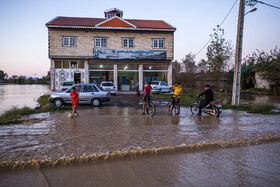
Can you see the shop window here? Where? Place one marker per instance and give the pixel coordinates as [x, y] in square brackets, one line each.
[127, 67]
[65, 64]
[81, 64]
[74, 65]
[158, 43]
[155, 67]
[69, 41]
[100, 42]
[104, 67]
[128, 42]
[58, 64]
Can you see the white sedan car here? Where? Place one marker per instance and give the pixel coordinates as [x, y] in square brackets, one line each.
[160, 87]
[108, 86]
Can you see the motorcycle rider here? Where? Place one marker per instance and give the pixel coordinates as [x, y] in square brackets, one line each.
[209, 96]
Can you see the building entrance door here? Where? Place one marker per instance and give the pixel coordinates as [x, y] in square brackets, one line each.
[77, 78]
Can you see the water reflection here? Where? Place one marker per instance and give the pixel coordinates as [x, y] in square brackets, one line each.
[20, 95]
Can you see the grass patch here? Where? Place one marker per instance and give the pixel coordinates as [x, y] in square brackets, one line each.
[43, 100]
[260, 91]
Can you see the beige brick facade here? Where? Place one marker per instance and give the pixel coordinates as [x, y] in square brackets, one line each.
[85, 41]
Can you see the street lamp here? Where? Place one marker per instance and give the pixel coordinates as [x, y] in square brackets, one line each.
[253, 10]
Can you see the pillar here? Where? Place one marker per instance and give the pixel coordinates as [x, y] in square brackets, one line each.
[52, 74]
[169, 80]
[116, 76]
[86, 71]
[140, 77]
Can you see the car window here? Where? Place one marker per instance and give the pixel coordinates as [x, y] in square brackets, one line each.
[87, 88]
[77, 88]
[155, 83]
[107, 84]
[94, 88]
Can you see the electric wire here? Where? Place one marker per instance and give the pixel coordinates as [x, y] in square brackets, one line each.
[217, 29]
[267, 4]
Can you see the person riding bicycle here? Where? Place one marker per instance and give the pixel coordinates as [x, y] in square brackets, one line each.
[178, 91]
[147, 93]
[209, 96]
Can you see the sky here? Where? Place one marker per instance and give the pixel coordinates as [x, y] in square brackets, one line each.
[24, 36]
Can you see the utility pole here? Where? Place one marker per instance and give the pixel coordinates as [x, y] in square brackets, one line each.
[238, 55]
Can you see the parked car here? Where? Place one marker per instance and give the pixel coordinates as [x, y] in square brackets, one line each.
[88, 94]
[160, 87]
[108, 86]
[67, 85]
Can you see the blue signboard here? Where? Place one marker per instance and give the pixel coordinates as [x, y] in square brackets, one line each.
[128, 54]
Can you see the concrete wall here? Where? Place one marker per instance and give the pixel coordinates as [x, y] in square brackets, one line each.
[85, 41]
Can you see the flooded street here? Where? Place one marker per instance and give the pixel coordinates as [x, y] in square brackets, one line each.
[20, 95]
[112, 129]
[127, 148]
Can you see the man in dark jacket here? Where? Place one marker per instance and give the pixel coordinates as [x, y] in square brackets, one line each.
[209, 96]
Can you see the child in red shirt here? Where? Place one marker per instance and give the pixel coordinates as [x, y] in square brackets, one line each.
[147, 93]
[75, 98]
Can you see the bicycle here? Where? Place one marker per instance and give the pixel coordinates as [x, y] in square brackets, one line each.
[176, 106]
[149, 106]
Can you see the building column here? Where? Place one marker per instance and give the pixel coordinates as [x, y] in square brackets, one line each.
[140, 77]
[169, 80]
[52, 74]
[86, 71]
[116, 76]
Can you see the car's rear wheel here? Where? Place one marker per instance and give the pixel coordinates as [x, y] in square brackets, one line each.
[58, 102]
[95, 102]
[159, 91]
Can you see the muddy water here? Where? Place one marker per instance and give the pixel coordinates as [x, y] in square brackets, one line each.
[257, 165]
[20, 95]
[111, 129]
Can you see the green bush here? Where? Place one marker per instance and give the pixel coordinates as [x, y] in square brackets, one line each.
[43, 100]
[261, 108]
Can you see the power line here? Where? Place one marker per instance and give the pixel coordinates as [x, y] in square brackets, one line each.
[217, 29]
[267, 4]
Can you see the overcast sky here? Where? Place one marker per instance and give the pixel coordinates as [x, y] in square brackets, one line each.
[23, 34]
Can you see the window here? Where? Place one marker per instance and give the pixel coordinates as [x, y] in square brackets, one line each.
[77, 89]
[69, 41]
[87, 88]
[58, 64]
[74, 65]
[128, 42]
[158, 43]
[81, 64]
[100, 42]
[65, 64]
[109, 15]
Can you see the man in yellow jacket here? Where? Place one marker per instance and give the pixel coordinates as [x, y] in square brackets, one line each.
[178, 91]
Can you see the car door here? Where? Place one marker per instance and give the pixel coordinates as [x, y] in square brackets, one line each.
[86, 94]
[162, 86]
[67, 98]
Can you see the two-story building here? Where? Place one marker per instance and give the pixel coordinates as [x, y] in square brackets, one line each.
[128, 52]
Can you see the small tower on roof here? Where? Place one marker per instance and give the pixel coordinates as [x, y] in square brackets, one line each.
[113, 12]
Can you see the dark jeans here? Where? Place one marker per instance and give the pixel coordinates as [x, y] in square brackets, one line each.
[173, 99]
[203, 103]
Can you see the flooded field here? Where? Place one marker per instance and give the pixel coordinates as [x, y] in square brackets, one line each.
[20, 95]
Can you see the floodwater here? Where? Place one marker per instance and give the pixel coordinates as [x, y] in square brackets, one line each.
[113, 129]
[257, 165]
[20, 95]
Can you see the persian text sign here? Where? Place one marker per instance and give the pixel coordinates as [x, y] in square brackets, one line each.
[128, 54]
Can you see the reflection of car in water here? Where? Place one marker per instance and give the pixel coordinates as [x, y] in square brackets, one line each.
[88, 94]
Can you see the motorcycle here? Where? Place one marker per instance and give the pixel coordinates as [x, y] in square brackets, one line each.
[214, 108]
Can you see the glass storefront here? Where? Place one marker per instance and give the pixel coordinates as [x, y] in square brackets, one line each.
[101, 72]
[128, 77]
[155, 73]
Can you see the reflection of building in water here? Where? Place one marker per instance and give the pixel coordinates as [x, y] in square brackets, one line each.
[128, 52]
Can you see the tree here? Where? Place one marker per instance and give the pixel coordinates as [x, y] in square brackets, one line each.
[269, 65]
[189, 70]
[3, 75]
[219, 55]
